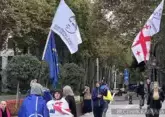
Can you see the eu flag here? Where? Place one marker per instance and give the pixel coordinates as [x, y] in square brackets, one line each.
[51, 57]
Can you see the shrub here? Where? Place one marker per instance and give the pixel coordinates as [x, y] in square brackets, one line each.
[71, 74]
[24, 68]
[11, 104]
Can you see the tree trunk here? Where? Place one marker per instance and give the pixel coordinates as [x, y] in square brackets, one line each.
[86, 66]
[109, 76]
[17, 95]
[4, 75]
[91, 72]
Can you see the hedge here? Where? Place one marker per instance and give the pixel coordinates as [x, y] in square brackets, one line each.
[11, 105]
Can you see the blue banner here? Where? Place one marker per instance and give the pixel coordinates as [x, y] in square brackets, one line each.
[126, 76]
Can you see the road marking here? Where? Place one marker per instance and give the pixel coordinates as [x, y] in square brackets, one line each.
[129, 106]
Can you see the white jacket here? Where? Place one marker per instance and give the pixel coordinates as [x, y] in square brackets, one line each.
[59, 108]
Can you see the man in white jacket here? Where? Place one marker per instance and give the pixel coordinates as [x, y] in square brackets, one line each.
[58, 107]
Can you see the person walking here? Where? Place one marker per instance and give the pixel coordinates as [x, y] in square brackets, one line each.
[147, 88]
[107, 97]
[98, 102]
[69, 96]
[163, 88]
[140, 92]
[87, 106]
[155, 99]
[34, 104]
[58, 106]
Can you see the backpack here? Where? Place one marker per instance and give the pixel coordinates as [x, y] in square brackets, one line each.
[108, 97]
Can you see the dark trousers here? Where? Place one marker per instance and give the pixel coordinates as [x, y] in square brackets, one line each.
[105, 108]
[141, 100]
[152, 112]
[98, 111]
[87, 108]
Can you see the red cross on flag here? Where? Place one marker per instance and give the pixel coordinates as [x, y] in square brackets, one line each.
[142, 43]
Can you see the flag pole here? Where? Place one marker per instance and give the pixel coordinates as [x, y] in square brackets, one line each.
[46, 45]
[97, 63]
[44, 53]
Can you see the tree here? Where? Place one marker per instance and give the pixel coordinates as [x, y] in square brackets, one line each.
[28, 21]
[71, 74]
[24, 68]
[107, 27]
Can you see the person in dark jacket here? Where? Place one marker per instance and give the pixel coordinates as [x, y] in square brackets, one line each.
[155, 99]
[140, 91]
[147, 88]
[69, 96]
[163, 88]
[104, 88]
[98, 102]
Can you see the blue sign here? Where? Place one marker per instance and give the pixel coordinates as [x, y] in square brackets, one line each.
[126, 74]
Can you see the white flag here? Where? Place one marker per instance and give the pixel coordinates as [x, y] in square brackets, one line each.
[64, 24]
[155, 19]
[142, 43]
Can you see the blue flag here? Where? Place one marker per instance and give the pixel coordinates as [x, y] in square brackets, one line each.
[51, 57]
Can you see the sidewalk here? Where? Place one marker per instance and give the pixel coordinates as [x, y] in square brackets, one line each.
[124, 97]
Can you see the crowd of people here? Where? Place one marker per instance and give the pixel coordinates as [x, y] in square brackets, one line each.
[40, 102]
[98, 100]
[154, 96]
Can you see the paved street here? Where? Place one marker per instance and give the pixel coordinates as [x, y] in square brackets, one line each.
[122, 108]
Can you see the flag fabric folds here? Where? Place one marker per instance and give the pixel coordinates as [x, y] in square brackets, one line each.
[64, 24]
[142, 43]
[51, 57]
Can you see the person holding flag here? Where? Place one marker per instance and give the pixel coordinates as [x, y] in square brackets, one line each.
[58, 106]
[34, 105]
[64, 25]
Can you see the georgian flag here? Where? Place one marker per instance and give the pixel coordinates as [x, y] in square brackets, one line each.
[142, 43]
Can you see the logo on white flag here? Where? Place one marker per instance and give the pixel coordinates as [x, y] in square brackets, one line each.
[158, 14]
[71, 27]
[62, 32]
[64, 24]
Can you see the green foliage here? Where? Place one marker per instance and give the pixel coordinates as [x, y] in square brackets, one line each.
[113, 26]
[24, 68]
[107, 27]
[28, 21]
[135, 76]
[71, 74]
